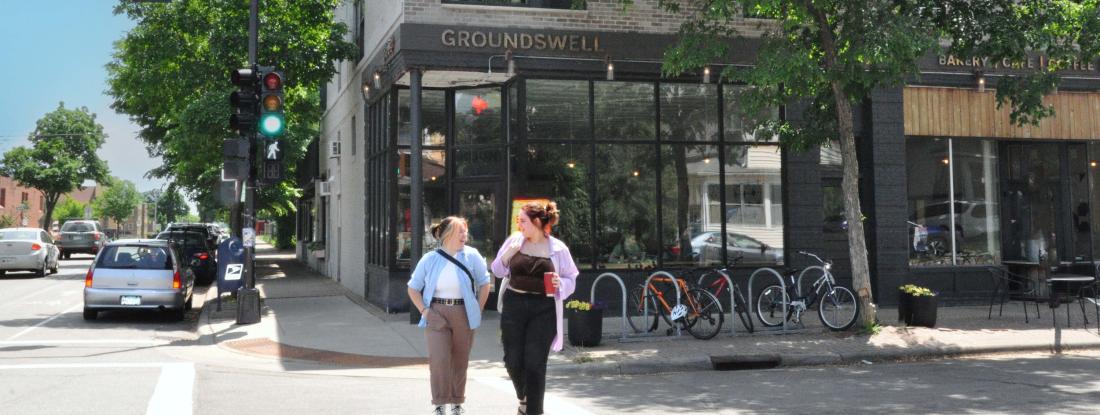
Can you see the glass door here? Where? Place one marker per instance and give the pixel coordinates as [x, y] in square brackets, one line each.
[479, 203]
[1031, 199]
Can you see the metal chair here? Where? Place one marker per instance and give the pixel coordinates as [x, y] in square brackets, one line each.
[1013, 287]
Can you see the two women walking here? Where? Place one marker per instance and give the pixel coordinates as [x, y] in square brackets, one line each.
[538, 272]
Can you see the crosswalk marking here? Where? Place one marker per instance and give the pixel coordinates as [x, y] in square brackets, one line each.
[551, 404]
[173, 394]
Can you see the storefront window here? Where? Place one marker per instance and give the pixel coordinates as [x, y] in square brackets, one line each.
[433, 117]
[477, 116]
[689, 112]
[434, 172]
[1078, 210]
[560, 172]
[557, 109]
[625, 111]
[470, 162]
[688, 235]
[542, 4]
[626, 210]
[959, 228]
[754, 204]
[741, 126]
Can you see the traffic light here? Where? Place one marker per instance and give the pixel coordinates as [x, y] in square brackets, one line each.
[272, 122]
[244, 100]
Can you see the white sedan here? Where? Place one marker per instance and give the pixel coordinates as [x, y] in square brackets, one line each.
[28, 249]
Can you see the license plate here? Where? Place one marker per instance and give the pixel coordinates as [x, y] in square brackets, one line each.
[131, 300]
[78, 237]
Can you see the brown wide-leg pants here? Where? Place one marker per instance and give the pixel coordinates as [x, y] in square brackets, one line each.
[449, 342]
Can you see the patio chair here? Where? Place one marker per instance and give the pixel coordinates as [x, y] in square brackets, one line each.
[1013, 287]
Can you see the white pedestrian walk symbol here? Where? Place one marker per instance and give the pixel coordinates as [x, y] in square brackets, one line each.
[273, 150]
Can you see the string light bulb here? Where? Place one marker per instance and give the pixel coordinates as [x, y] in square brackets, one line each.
[706, 74]
[636, 173]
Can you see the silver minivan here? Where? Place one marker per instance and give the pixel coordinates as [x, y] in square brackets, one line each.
[144, 274]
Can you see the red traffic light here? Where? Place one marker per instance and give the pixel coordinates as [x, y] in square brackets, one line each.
[273, 81]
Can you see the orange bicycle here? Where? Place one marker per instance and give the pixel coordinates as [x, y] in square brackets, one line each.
[699, 312]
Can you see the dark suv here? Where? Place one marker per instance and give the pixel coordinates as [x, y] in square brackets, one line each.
[211, 237]
[81, 236]
[196, 251]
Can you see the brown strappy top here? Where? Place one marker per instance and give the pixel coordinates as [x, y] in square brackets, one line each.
[526, 272]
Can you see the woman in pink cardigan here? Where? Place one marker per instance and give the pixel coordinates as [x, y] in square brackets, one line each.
[530, 319]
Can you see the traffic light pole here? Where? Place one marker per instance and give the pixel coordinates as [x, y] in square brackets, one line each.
[248, 297]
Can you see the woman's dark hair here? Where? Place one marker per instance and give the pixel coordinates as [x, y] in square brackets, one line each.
[543, 216]
[443, 229]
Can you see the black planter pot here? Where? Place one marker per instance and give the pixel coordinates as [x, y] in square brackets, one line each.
[585, 327]
[923, 311]
[905, 303]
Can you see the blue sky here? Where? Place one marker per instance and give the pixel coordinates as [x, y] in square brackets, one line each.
[53, 51]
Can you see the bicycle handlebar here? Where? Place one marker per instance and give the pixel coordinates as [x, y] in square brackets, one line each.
[813, 256]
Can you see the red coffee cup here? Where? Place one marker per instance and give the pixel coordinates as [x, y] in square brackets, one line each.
[548, 283]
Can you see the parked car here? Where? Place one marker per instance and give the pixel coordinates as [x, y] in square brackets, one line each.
[28, 249]
[707, 247]
[193, 246]
[211, 237]
[139, 274]
[81, 236]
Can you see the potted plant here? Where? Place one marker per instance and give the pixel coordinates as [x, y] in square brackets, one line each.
[585, 322]
[922, 306]
[905, 301]
[317, 248]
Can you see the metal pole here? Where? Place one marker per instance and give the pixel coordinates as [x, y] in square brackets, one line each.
[416, 184]
[248, 306]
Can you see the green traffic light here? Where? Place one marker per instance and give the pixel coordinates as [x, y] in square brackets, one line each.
[272, 124]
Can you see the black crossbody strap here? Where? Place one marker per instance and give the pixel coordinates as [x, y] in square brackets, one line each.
[459, 264]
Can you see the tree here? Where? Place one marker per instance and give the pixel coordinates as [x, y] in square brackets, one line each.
[831, 54]
[170, 205]
[170, 74]
[69, 208]
[117, 202]
[61, 157]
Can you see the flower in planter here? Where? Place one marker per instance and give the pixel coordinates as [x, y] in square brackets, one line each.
[579, 305]
[917, 291]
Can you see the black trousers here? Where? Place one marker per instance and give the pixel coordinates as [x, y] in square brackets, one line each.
[528, 326]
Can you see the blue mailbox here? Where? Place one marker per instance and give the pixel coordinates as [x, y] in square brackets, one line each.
[230, 267]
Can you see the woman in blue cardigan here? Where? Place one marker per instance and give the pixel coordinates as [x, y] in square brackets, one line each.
[450, 286]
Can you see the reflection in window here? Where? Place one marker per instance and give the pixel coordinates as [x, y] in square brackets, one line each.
[557, 109]
[434, 172]
[433, 117]
[754, 203]
[560, 172]
[739, 124]
[542, 4]
[960, 229]
[687, 173]
[477, 116]
[625, 111]
[478, 161]
[689, 112]
[626, 211]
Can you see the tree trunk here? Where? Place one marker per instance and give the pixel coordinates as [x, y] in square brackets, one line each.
[857, 244]
[51, 203]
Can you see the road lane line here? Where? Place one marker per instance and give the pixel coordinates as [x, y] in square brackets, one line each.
[25, 297]
[37, 366]
[174, 389]
[55, 316]
[79, 342]
[550, 404]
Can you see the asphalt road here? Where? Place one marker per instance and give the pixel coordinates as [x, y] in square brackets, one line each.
[54, 362]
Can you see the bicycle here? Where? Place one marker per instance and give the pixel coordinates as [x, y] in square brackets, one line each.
[838, 308]
[740, 304]
[699, 312]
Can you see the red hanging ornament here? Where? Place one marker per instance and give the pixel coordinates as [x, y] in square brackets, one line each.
[479, 105]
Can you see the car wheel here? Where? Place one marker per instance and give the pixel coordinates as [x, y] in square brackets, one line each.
[178, 314]
[2, 272]
[41, 272]
[66, 255]
[189, 304]
[90, 314]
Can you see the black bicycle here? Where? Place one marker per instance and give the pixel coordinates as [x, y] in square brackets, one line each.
[838, 307]
[720, 284]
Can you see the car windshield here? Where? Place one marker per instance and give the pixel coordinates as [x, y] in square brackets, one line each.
[16, 235]
[188, 239]
[135, 257]
[77, 227]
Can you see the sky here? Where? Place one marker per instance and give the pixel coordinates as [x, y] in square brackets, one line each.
[56, 50]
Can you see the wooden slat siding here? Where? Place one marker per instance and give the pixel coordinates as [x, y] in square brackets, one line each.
[954, 112]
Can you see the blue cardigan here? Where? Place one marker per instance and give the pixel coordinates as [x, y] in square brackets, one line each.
[426, 275]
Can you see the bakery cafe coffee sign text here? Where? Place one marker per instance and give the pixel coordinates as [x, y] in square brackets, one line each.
[1040, 62]
[520, 41]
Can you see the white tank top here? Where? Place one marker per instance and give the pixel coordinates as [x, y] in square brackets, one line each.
[447, 285]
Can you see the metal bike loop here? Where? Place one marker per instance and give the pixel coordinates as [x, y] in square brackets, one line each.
[733, 302]
[782, 286]
[645, 295]
[592, 296]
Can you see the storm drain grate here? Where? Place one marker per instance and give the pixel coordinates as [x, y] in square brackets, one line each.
[754, 362]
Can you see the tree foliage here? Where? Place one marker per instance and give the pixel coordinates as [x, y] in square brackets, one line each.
[833, 54]
[117, 202]
[69, 208]
[61, 157]
[170, 74]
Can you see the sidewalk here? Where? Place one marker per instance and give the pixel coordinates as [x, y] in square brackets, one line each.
[308, 317]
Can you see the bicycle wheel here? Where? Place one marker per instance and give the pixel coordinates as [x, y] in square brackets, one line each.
[741, 307]
[770, 307]
[641, 319]
[838, 309]
[705, 317]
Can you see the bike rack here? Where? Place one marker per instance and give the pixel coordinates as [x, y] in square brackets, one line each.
[782, 286]
[592, 296]
[645, 294]
[733, 301]
[804, 271]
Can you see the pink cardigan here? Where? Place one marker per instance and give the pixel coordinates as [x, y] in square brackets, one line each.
[567, 271]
